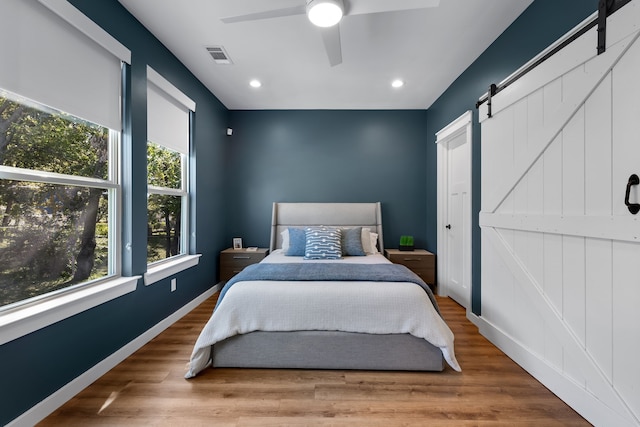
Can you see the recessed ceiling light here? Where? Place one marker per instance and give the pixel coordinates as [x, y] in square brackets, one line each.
[397, 83]
[255, 83]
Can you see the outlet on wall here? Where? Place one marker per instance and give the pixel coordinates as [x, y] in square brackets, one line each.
[174, 284]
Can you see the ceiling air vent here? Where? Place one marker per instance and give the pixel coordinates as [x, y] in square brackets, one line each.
[219, 55]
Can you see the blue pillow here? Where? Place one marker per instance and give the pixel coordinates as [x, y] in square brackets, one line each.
[297, 242]
[352, 242]
[323, 243]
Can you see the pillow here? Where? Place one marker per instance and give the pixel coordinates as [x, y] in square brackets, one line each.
[351, 242]
[297, 242]
[285, 240]
[369, 241]
[374, 243]
[366, 240]
[322, 243]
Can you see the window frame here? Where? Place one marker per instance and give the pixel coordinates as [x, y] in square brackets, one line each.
[183, 193]
[37, 313]
[164, 268]
[112, 184]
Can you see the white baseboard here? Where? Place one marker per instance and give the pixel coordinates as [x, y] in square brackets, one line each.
[473, 318]
[574, 395]
[38, 412]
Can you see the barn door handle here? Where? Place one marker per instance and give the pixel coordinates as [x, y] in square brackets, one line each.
[633, 207]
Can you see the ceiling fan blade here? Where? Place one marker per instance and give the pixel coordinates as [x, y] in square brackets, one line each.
[331, 39]
[361, 7]
[268, 14]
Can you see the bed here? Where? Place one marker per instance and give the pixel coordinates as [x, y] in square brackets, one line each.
[292, 312]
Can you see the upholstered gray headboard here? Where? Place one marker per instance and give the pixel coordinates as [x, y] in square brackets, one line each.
[331, 214]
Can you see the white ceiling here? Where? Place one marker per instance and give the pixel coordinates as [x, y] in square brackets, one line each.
[427, 48]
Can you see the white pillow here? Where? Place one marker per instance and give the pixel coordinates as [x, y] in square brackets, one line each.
[366, 240]
[374, 243]
[285, 240]
[369, 241]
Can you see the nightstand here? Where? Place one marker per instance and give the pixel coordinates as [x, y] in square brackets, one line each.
[420, 261]
[233, 261]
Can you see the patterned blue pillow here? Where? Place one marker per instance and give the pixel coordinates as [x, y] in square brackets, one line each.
[297, 242]
[352, 242]
[323, 243]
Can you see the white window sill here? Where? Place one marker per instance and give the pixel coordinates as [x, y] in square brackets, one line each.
[169, 268]
[22, 321]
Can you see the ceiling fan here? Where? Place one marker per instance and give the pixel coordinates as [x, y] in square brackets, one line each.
[327, 14]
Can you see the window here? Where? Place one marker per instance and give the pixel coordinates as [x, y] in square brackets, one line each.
[57, 187]
[60, 122]
[168, 121]
[166, 202]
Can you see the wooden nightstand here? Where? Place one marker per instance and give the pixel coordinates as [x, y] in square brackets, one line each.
[420, 261]
[232, 261]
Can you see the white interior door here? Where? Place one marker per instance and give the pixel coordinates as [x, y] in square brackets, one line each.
[454, 213]
[560, 250]
[458, 199]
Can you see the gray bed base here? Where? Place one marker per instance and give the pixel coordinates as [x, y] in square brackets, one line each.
[327, 349]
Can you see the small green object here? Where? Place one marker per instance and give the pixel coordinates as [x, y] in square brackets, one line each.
[406, 240]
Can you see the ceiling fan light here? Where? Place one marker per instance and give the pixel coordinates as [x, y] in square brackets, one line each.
[325, 13]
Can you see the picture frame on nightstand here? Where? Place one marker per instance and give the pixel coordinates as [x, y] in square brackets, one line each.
[237, 243]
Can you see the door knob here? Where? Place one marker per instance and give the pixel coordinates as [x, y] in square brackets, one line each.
[448, 226]
[633, 207]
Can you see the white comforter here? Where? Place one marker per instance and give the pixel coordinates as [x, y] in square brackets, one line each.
[336, 306]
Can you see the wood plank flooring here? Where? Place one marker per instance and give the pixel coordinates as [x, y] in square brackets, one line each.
[148, 389]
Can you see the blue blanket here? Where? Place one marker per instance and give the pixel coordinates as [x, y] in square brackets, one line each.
[331, 272]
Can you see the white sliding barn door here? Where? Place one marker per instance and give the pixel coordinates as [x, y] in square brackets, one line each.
[560, 250]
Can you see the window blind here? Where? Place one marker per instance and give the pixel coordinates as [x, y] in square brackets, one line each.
[167, 113]
[55, 55]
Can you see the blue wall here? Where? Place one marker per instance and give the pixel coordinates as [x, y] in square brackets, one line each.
[328, 156]
[537, 27]
[37, 365]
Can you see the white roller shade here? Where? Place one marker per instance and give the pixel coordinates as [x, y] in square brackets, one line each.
[48, 59]
[167, 113]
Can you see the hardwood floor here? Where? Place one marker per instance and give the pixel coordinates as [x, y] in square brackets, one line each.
[149, 389]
